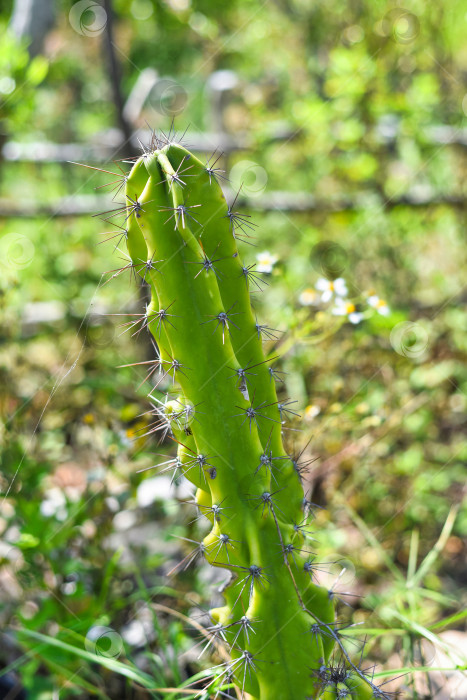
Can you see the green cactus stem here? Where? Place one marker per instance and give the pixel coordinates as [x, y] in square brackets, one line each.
[277, 622]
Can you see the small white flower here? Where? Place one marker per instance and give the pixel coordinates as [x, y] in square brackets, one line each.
[378, 304]
[355, 317]
[344, 307]
[54, 504]
[311, 412]
[266, 261]
[308, 297]
[156, 488]
[329, 288]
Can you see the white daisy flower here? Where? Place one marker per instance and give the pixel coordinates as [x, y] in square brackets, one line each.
[329, 288]
[344, 307]
[379, 304]
[266, 261]
[311, 412]
[308, 297]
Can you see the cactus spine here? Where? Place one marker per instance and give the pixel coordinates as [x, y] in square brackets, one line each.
[277, 622]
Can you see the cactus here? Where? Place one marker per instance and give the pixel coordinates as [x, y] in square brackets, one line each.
[277, 622]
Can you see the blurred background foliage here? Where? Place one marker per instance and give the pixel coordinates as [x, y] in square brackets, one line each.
[357, 109]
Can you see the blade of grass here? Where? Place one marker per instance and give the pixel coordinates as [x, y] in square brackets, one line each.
[110, 568]
[457, 617]
[418, 669]
[21, 660]
[129, 672]
[374, 631]
[76, 680]
[413, 553]
[433, 554]
[362, 526]
[445, 600]
[169, 650]
[424, 632]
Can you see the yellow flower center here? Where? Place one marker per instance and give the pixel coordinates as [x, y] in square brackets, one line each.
[350, 308]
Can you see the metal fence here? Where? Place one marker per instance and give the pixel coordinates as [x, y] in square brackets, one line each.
[220, 90]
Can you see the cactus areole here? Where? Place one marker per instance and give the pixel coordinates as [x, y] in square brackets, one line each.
[277, 622]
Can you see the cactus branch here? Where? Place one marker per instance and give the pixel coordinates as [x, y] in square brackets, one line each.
[278, 623]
